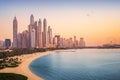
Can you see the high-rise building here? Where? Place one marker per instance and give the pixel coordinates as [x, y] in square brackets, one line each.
[42, 39]
[1, 44]
[57, 41]
[19, 39]
[15, 29]
[25, 39]
[30, 30]
[82, 42]
[75, 42]
[49, 36]
[44, 33]
[39, 34]
[31, 19]
[35, 27]
[61, 43]
[7, 43]
[30, 27]
[33, 38]
[70, 43]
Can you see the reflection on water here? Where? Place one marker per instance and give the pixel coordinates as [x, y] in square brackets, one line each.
[80, 64]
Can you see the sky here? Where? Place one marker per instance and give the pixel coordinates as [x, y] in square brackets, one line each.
[98, 21]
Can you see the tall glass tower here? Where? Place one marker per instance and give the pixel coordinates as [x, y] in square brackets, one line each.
[30, 27]
[15, 29]
[31, 19]
[39, 33]
[44, 33]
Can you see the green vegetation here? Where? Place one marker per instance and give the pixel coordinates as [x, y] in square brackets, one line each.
[6, 59]
[12, 76]
[21, 51]
[9, 62]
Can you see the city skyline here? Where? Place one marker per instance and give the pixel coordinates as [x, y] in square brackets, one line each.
[39, 35]
[97, 21]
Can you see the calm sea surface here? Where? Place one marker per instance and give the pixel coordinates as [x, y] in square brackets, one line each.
[79, 64]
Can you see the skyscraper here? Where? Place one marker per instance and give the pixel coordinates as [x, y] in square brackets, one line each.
[30, 27]
[75, 43]
[25, 39]
[33, 38]
[15, 29]
[35, 27]
[30, 30]
[1, 44]
[49, 36]
[7, 43]
[44, 33]
[39, 34]
[82, 42]
[19, 39]
[31, 19]
[57, 41]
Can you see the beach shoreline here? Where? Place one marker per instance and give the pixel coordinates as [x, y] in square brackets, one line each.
[23, 68]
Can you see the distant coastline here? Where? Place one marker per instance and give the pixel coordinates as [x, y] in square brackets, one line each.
[21, 51]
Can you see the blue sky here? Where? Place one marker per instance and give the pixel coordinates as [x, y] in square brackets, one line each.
[45, 3]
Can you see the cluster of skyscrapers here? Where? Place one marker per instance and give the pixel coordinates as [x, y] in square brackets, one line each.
[39, 35]
[60, 42]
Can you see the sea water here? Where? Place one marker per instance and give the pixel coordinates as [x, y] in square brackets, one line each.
[79, 64]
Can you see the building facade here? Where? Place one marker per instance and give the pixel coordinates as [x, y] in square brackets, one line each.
[7, 43]
[33, 44]
[19, 39]
[44, 33]
[49, 36]
[39, 34]
[82, 43]
[15, 30]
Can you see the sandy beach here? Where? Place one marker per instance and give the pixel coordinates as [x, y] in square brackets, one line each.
[23, 68]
